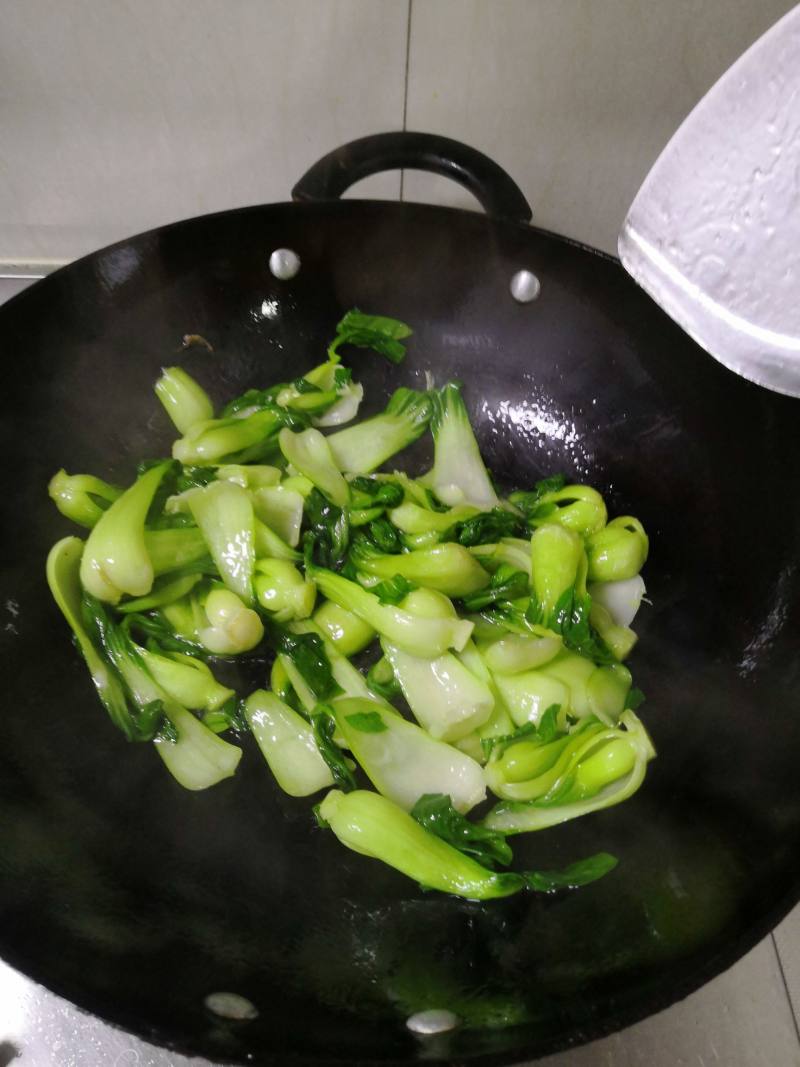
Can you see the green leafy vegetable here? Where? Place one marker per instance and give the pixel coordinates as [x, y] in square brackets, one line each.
[415, 518]
[404, 761]
[184, 400]
[419, 635]
[393, 590]
[618, 551]
[381, 679]
[224, 513]
[378, 332]
[252, 400]
[307, 652]
[288, 744]
[362, 448]
[528, 501]
[436, 813]
[592, 767]
[324, 726]
[229, 626]
[570, 618]
[194, 477]
[486, 528]
[115, 559]
[448, 568]
[283, 591]
[371, 492]
[512, 653]
[447, 698]
[259, 519]
[82, 497]
[229, 716]
[310, 454]
[505, 584]
[235, 439]
[577, 874]
[347, 632]
[545, 731]
[458, 475]
[328, 531]
[368, 722]
[635, 699]
[384, 536]
[374, 826]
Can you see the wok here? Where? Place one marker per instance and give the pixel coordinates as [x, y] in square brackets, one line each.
[136, 899]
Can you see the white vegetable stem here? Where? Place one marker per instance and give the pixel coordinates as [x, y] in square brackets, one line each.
[310, 454]
[287, 744]
[621, 599]
[403, 761]
[224, 513]
[446, 698]
[115, 560]
[199, 758]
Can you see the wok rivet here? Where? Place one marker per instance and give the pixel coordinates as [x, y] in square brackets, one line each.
[525, 286]
[284, 263]
[433, 1021]
[231, 1006]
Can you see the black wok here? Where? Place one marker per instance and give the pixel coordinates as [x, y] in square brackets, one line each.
[136, 899]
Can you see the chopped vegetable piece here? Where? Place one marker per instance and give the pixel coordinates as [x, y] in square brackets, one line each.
[115, 559]
[403, 761]
[283, 591]
[415, 634]
[445, 697]
[349, 633]
[362, 448]
[196, 758]
[436, 813]
[620, 599]
[449, 568]
[282, 510]
[287, 744]
[232, 626]
[378, 332]
[618, 551]
[224, 513]
[184, 400]
[458, 475]
[374, 826]
[311, 454]
[597, 767]
[81, 497]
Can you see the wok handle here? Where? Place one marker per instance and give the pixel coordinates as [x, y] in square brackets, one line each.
[498, 194]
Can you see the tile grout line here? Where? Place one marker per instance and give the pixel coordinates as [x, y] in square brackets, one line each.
[405, 91]
[786, 986]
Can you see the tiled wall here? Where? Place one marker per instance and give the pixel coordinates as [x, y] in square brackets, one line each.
[118, 115]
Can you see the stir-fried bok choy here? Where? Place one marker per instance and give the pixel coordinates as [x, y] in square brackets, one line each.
[411, 645]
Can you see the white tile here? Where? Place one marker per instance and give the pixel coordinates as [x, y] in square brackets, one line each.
[39, 1029]
[574, 98]
[740, 1019]
[118, 117]
[787, 939]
